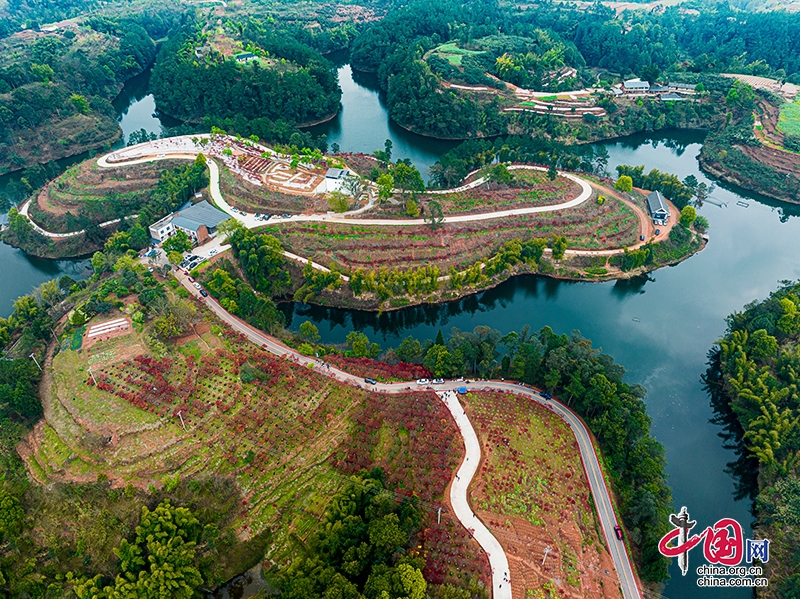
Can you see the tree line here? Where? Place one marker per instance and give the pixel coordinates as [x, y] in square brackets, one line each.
[590, 383]
[755, 368]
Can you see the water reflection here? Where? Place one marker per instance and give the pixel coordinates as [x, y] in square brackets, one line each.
[634, 286]
[744, 469]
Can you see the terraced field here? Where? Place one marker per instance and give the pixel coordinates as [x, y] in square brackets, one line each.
[101, 193]
[288, 436]
[349, 247]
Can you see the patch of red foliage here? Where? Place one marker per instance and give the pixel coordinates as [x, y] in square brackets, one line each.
[382, 371]
[418, 456]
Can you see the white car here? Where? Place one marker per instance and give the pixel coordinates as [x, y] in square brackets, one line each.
[197, 285]
[423, 382]
[213, 252]
[437, 382]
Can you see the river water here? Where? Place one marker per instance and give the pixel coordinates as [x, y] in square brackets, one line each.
[660, 327]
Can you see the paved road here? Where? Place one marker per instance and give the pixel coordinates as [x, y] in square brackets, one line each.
[184, 148]
[501, 579]
[458, 497]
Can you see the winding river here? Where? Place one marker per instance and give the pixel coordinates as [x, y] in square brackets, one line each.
[660, 327]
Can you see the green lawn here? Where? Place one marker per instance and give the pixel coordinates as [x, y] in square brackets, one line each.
[789, 121]
[453, 54]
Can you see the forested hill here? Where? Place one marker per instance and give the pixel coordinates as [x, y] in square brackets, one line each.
[600, 45]
[758, 362]
[56, 85]
[281, 79]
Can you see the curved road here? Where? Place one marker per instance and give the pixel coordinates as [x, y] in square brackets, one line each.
[183, 148]
[458, 492]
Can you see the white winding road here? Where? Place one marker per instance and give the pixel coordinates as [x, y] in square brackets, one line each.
[501, 584]
[182, 148]
[501, 578]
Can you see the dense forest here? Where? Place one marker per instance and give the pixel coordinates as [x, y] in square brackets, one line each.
[56, 86]
[756, 369]
[289, 81]
[522, 45]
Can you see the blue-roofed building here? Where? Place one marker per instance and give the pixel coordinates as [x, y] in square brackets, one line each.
[199, 222]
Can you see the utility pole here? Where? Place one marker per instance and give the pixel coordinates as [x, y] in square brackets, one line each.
[35, 362]
[546, 551]
[439, 517]
[183, 424]
[92, 375]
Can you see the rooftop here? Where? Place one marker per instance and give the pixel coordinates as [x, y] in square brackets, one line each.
[198, 214]
[336, 173]
[636, 84]
[656, 203]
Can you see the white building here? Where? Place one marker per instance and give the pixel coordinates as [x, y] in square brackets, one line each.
[162, 229]
[334, 177]
[635, 85]
[199, 222]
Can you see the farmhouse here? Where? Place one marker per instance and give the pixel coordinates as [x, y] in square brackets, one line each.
[682, 87]
[243, 57]
[635, 85]
[672, 97]
[657, 205]
[199, 222]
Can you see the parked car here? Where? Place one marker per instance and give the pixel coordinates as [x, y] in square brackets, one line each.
[437, 382]
[213, 252]
[423, 382]
[641, 237]
[197, 285]
[658, 231]
[618, 532]
[370, 381]
[287, 216]
[150, 268]
[204, 293]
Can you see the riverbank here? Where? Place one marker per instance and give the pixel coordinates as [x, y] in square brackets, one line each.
[573, 268]
[732, 165]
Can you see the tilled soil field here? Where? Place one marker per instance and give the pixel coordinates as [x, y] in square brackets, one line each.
[531, 492]
[253, 198]
[772, 139]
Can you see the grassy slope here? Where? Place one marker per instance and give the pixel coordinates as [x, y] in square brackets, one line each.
[789, 121]
[285, 441]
